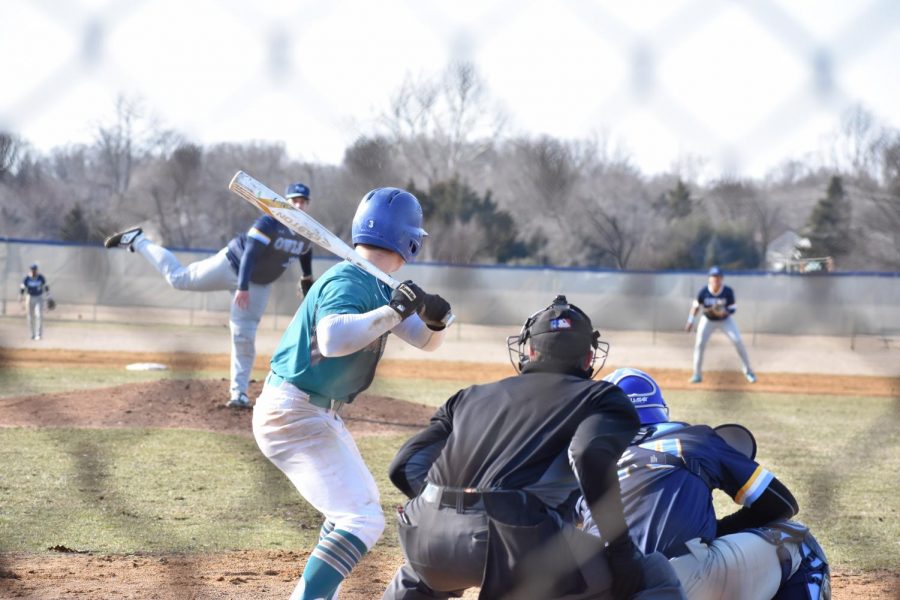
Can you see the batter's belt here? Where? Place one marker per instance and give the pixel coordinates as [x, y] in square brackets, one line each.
[316, 400]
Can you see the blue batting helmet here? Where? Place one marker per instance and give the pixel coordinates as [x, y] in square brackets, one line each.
[715, 272]
[390, 218]
[643, 393]
[296, 190]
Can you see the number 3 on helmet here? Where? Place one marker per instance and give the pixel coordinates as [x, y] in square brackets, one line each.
[390, 218]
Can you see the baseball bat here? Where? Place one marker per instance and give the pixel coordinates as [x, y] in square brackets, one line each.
[298, 221]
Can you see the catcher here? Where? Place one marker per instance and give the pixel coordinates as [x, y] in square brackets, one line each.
[494, 477]
[718, 305]
[667, 477]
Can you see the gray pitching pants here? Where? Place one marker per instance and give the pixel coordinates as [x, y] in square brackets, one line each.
[211, 274]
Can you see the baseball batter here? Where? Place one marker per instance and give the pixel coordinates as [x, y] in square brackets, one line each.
[667, 476]
[718, 305]
[248, 265]
[493, 479]
[32, 291]
[325, 358]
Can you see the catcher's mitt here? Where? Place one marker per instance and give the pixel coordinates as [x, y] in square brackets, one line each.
[51, 303]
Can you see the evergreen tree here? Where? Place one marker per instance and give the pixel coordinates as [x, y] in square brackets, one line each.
[828, 228]
[75, 227]
[676, 203]
[455, 202]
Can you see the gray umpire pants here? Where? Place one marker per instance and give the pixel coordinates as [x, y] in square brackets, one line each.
[706, 328]
[446, 553]
[35, 311]
[211, 274]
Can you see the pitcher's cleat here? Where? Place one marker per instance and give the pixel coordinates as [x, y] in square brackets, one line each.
[239, 401]
[123, 239]
[751, 377]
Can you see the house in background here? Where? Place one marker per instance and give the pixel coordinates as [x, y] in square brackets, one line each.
[786, 254]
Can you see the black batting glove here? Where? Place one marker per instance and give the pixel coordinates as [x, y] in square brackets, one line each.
[625, 565]
[433, 311]
[306, 283]
[407, 299]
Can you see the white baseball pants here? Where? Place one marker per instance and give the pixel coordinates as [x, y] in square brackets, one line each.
[312, 447]
[211, 274]
[35, 311]
[706, 328]
[741, 566]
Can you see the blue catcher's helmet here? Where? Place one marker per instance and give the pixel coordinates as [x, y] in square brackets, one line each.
[296, 190]
[643, 393]
[390, 218]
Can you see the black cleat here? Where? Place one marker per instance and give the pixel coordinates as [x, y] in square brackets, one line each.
[123, 239]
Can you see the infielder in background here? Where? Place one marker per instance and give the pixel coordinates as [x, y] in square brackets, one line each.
[494, 477]
[32, 291]
[248, 265]
[718, 306]
[667, 476]
[326, 357]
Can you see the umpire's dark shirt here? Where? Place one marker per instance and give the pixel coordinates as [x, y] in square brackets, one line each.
[526, 432]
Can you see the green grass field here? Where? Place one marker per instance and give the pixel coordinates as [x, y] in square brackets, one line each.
[130, 490]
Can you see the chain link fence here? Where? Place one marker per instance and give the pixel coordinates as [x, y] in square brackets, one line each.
[738, 81]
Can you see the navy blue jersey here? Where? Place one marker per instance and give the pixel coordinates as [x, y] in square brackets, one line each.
[35, 286]
[270, 249]
[725, 299]
[667, 482]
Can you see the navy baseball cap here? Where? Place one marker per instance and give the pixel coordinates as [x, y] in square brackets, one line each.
[33, 266]
[715, 272]
[296, 190]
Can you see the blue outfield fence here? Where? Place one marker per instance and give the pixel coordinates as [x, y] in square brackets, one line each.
[841, 304]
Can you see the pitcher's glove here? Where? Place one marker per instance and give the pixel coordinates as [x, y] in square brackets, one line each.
[407, 299]
[434, 311]
[51, 303]
[306, 283]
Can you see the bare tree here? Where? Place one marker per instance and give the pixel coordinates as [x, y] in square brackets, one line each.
[443, 125]
[858, 143]
[10, 150]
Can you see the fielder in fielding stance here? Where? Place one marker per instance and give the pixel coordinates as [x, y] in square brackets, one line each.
[32, 291]
[494, 477]
[326, 357]
[718, 305]
[667, 476]
[248, 265]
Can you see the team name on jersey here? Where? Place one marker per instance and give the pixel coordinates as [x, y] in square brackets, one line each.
[290, 246]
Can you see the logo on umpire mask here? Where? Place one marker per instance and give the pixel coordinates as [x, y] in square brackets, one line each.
[560, 333]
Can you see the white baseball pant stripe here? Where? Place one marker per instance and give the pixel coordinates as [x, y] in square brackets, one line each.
[741, 566]
[314, 449]
[212, 274]
[35, 310]
[706, 328]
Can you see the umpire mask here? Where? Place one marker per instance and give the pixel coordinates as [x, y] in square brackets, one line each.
[561, 333]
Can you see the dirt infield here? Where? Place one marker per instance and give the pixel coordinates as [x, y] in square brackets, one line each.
[196, 404]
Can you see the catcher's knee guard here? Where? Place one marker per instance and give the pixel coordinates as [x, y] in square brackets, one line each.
[812, 579]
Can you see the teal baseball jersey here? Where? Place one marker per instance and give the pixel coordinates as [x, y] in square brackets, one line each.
[343, 289]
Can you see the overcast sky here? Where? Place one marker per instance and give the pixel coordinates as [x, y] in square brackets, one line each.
[742, 84]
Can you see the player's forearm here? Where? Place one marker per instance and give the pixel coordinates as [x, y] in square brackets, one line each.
[416, 333]
[776, 502]
[341, 335]
[252, 252]
[306, 263]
